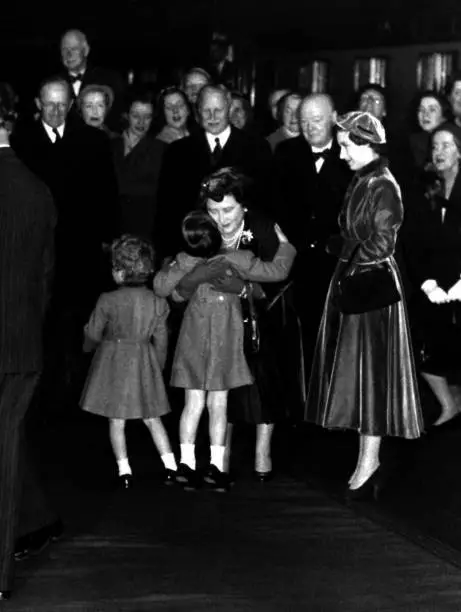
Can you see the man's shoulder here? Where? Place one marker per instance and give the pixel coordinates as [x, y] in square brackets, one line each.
[77, 131]
[26, 190]
[184, 146]
[293, 149]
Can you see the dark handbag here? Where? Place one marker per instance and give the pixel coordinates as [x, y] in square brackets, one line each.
[363, 291]
[251, 336]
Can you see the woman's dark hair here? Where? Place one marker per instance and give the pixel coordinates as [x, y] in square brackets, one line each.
[455, 78]
[160, 119]
[201, 234]
[380, 149]
[141, 94]
[223, 182]
[451, 128]
[246, 105]
[428, 93]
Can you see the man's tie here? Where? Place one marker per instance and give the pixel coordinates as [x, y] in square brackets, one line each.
[57, 134]
[216, 154]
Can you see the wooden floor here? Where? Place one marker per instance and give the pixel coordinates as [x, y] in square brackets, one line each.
[284, 546]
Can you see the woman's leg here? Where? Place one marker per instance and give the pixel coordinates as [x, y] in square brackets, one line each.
[188, 424]
[442, 392]
[263, 461]
[360, 458]
[217, 408]
[118, 441]
[160, 437]
[368, 462]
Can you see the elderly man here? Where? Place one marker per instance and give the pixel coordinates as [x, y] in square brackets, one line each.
[188, 161]
[75, 162]
[372, 99]
[79, 72]
[27, 219]
[311, 181]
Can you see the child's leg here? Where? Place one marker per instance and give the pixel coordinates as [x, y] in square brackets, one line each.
[118, 441]
[217, 407]
[160, 437]
[195, 403]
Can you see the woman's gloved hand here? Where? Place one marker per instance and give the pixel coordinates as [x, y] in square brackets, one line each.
[229, 282]
[454, 293]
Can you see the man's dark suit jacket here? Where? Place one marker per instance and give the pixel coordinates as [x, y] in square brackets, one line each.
[188, 161]
[80, 175]
[307, 206]
[138, 176]
[27, 221]
[96, 75]
[308, 202]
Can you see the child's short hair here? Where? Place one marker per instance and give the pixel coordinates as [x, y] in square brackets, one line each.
[201, 234]
[133, 258]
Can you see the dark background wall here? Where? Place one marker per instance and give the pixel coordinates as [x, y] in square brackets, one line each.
[272, 39]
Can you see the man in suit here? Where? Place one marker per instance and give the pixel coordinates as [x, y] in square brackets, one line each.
[79, 72]
[188, 161]
[27, 219]
[311, 182]
[75, 162]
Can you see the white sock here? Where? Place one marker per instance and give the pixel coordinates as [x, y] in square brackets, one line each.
[169, 461]
[123, 466]
[188, 455]
[217, 456]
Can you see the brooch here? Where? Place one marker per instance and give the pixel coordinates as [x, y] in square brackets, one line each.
[247, 236]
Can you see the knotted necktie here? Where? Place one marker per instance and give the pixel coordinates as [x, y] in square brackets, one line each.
[75, 78]
[217, 153]
[57, 134]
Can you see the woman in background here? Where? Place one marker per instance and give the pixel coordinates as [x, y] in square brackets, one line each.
[288, 118]
[94, 103]
[137, 159]
[432, 249]
[174, 115]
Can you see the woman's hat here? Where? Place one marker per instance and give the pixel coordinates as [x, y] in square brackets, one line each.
[363, 125]
[105, 90]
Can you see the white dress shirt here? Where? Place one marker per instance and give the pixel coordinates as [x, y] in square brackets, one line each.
[320, 161]
[51, 134]
[223, 138]
[76, 86]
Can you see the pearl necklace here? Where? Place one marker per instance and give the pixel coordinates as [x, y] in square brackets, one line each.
[234, 241]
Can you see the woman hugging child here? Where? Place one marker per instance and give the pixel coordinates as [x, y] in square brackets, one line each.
[209, 359]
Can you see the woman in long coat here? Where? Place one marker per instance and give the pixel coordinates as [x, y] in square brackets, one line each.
[363, 374]
[432, 248]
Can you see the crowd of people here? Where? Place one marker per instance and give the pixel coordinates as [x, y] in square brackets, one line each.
[305, 271]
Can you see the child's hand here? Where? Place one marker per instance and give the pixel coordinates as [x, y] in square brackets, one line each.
[280, 235]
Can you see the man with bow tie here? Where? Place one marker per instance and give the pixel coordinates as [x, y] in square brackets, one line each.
[311, 182]
[79, 72]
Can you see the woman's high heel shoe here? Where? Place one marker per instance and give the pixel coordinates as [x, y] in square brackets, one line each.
[371, 488]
